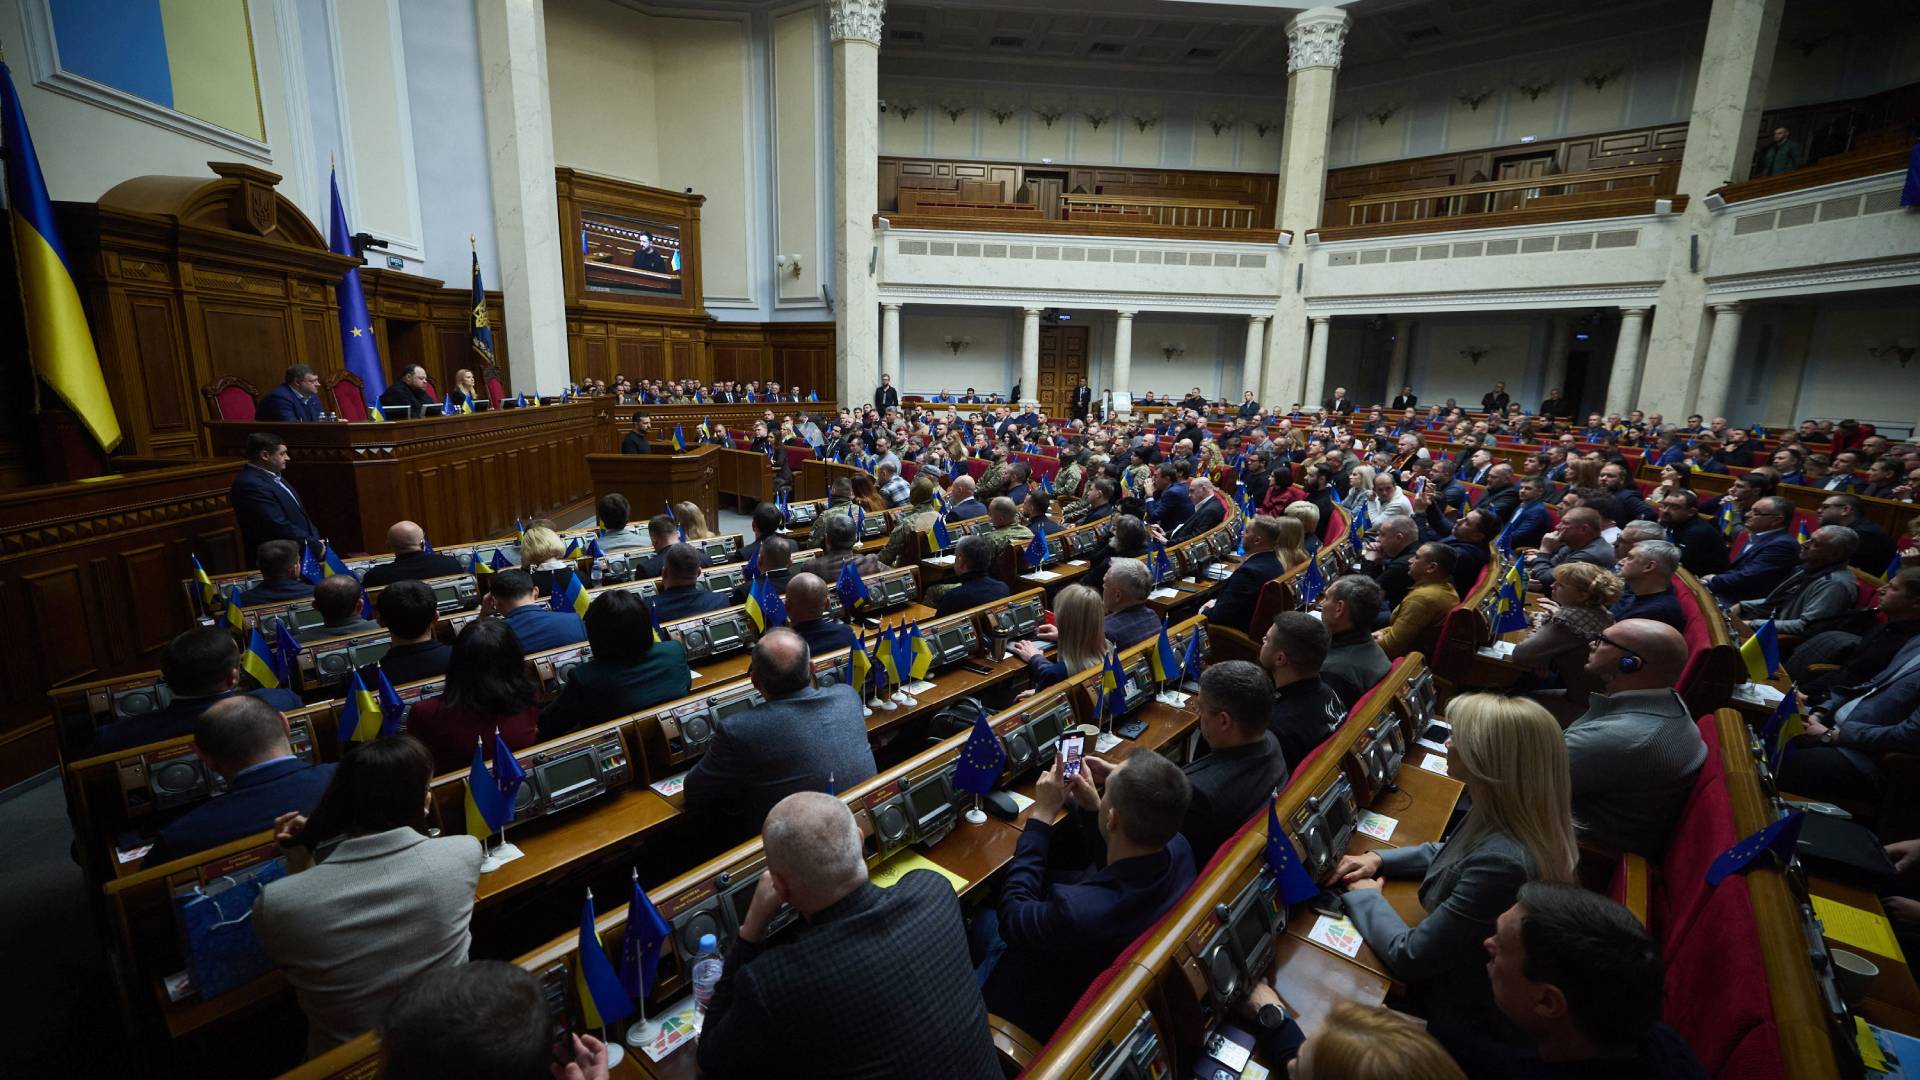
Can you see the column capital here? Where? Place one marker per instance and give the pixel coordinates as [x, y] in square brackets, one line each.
[1634, 312]
[1032, 312]
[1732, 308]
[1126, 315]
[1257, 319]
[855, 20]
[1320, 318]
[894, 305]
[1315, 38]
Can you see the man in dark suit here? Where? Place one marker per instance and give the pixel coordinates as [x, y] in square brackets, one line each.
[1769, 556]
[877, 982]
[1339, 402]
[1129, 620]
[1875, 552]
[681, 594]
[1703, 547]
[408, 611]
[1529, 521]
[1244, 765]
[1082, 401]
[635, 441]
[806, 600]
[531, 615]
[266, 506]
[1847, 733]
[280, 579]
[885, 396]
[1209, 510]
[1406, 399]
[1628, 505]
[1388, 554]
[1172, 504]
[972, 558]
[297, 399]
[767, 520]
[1501, 497]
[337, 599]
[1496, 400]
[1305, 708]
[411, 559]
[409, 391]
[963, 506]
[805, 738]
[201, 667]
[1469, 540]
[245, 740]
[1556, 406]
[1240, 593]
[1061, 920]
[1249, 406]
[774, 561]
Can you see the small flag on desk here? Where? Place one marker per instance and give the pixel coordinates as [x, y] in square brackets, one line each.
[500, 560]
[1785, 725]
[1113, 683]
[640, 949]
[572, 596]
[883, 652]
[852, 588]
[360, 717]
[1312, 581]
[366, 606]
[594, 550]
[764, 605]
[335, 564]
[1162, 565]
[603, 1001]
[1804, 533]
[902, 654]
[1046, 483]
[704, 429]
[668, 503]
[1510, 607]
[922, 654]
[981, 759]
[1361, 525]
[1729, 517]
[209, 595]
[1761, 651]
[1038, 549]
[679, 439]
[447, 407]
[258, 662]
[1892, 567]
[487, 811]
[859, 666]
[477, 566]
[813, 395]
[426, 546]
[376, 414]
[1778, 838]
[1289, 873]
[286, 652]
[1189, 664]
[235, 620]
[310, 567]
[1166, 666]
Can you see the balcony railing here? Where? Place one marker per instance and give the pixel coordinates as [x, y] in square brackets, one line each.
[1597, 188]
[1159, 210]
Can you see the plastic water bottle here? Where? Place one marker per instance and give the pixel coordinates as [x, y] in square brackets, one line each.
[707, 966]
[599, 572]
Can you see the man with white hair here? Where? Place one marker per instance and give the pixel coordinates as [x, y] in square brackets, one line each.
[1634, 533]
[877, 983]
[1812, 598]
[1209, 510]
[1129, 620]
[1648, 571]
[1387, 555]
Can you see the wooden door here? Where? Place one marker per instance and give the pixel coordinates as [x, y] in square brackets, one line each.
[1063, 366]
[1044, 192]
[1520, 168]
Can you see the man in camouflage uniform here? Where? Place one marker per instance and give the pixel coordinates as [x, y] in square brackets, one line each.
[1008, 531]
[919, 517]
[998, 478]
[839, 501]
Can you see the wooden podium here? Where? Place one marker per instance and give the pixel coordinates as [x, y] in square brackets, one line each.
[460, 477]
[650, 481]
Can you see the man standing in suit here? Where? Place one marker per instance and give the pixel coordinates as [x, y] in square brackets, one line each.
[805, 738]
[1062, 921]
[1406, 399]
[1496, 400]
[1769, 556]
[1240, 594]
[1556, 406]
[1082, 401]
[262, 500]
[201, 667]
[1339, 402]
[297, 399]
[411, 559]
[245, 740]
[885, 396]
[1249, 406]
[877, 983]
[409, 392]
[1839, 755]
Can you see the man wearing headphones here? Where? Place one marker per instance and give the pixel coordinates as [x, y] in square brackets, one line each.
[1634, 753]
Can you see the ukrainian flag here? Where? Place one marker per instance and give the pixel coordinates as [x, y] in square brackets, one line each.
[764, 605]
[679, 439]
[703, 430]
[859, 666]
[1762, 652]
[1805, 534]
[258, 663]
[922, 655]
[374, 413]
[883, 651]
[572, 597]
[603, 1001]
[336, 565]
[1166, 666]
[59, 343]
[235, 621]
[476, 566]
[208, 594]
[487, 811]
[361, 719]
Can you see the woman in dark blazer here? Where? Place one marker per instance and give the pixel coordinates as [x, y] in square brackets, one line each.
[1513, 758]
[488, 687]
[629, 670]
[1078, 634]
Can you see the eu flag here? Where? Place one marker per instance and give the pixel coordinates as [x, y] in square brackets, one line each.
[1162, 565]
[507, 773]
[981, 759]
[764, 605]
[1291, 875]
[1038, 549]
[1189, 662]
[1510, 612]
[603, 1001]
[310, 567]
[640, 949]
[852, 589]
[1778, 838]
[1312, 582]
[286, 652]
[356, 328]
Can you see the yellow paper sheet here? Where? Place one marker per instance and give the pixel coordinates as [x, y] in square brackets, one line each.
[1870, 1052]
[907, 861]
[1854, 926]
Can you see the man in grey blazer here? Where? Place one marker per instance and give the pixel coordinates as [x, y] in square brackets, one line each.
[1814, 597]
[805, 738]
[1846, 735]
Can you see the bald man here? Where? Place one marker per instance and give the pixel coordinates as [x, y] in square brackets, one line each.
[1634, 753]
[411, 559]
[806, 599]
[962, 505]
[1578, 539]
[891, 962]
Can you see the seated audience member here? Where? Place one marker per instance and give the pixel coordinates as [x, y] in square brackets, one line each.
[768, 519]
[1576, 613]
[484, 1020]
[805, 738]
[837, 544]
[1244, 764]
[1648, 572]
[1634, 753]
[244, 740]
[543, 557]
[1703, 547]
[1008, 530]
[893, 487]
[692, 521]
[1528, 509]
[775, 565]
[962, 506]
[411, 559]
[1304, 710]
[408, 610]
[628, 672]
[1290, 541]
[1349, 609]
[1357, 1042]
[1577, 540]
[537, 626]
[1209, 511]
[296, 399]
[1130, 540]
[1860, 656]
[1416, 619]
[1308, 515]
[1387, 554]
[280, 578]
[1061, 921]
[895, 957]
[1633, 533]
[617, 532]
[1580, 978]
[682, 594]
[488, 688]
[1510, 754]
[972, 558]
[1129, 620]
[1838, 756]
[201, 667]
[1079, 634]
[1240, 593]
[1816, 596]
[839, 504]
[337, 599]
[662, 533]
[1034, 513]
[1770, 555]
[386, 905]
[806, 600]
[407, 395]
[1468, 538]
[1875, 551]
[916, 521]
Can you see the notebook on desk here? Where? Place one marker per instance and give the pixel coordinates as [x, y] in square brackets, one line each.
[1842, 848]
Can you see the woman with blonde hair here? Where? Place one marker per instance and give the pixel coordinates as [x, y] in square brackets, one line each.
[693, 522]
[1512, 757]
[1080, 630]
[1291, 543]
[1363, 1042]
[543, 555]
[1581, 473]
[1567, 624]
[1359, 488]
[464, 393]
[1308, 515]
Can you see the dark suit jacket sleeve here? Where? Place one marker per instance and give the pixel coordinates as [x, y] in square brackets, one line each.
[1029, 918]
[275, 405]
[1238, 596]
[256, 501]
[1773, 557]
[738, 1021]
[720, 776]
[1889, 722]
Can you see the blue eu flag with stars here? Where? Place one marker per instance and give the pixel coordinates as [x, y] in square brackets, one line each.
[1778, 838]
[1284, 861]
[362, 357]
[981, 759]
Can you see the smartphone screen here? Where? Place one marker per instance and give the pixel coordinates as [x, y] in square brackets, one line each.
[1419, 484]
[1070, 750]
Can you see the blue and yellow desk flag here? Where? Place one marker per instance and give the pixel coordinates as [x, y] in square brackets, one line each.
[1166, 666]
[209, 595]
[59, 343]
[922, 654]
[647, 930]
[487, 811]
[572, 596]
[1761, 651]
[235, 620]
[258, 661]
[603, 1001]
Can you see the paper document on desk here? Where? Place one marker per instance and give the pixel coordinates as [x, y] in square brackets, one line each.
[1103, 742]
[1857, 927]
[1163, 594]
[133, 854]
[908, 861]
[671, 786]
[920, 686]
[1077, 562]
[1378, 826]
[1499, 650]
[1754, 693]
[1866, 1038]
[938, 560]
[1434, 763]
[1340, 935]
[679, 1025]
[1042, 575]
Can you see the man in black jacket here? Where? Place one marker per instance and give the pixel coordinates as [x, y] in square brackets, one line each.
[1703, 547]
[1388, 555]
[1339, 402]
[408, 392]
[280, 578]
[877, 982]
[1209, 510]
[1495, 400]
[411, 559]
[885, 396]
[972, 558]
[1082, 401]
[636, 441]
[1875, 552]
[1240, 594]
[1305, 710]
[262, 500]
[408, 611]
[1244, 766]
[1627, 502]
[1406, 399]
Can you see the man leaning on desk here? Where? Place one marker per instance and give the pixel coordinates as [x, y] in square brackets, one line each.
[409, 392]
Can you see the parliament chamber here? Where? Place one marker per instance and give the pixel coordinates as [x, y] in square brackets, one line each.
[1120, 541]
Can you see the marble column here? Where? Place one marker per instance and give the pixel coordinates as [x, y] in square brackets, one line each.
[513, 57]
[1255, 356]
[1792, 346]
[1316, 361]
[1122, 352]
[1716, 378]
[1626, 362]
[854, 28]
[890, 342]
[1558, 338]
[1314, 41]
[1397, 360]
[1030, 355]
[1735, 62]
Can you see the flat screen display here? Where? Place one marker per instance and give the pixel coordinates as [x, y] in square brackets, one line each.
[928, 797]
[949, 641]
[630, 256]
[567, 773]
[1046, 726]
[732, 708]
[723, 633]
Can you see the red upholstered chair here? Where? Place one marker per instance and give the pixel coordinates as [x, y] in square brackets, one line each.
[496, 390]
[976, 467]
[909, 470]
[1704, 830]
[431, 392]
[1739, 545]
[231, 399]
[349, 397]
[796, 455]
[1716, 988]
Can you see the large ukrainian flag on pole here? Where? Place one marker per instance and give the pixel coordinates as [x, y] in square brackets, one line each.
[58, 340]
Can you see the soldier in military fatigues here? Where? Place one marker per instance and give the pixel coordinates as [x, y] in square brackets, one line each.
[919, 517]
[998, 478]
